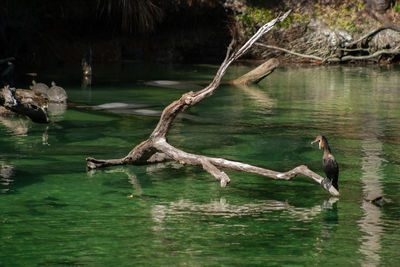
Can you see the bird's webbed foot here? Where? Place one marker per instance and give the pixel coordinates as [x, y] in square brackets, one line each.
[326, 183]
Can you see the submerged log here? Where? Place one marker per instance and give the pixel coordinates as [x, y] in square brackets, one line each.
[25, 102]
[257, 74]
[157, 149]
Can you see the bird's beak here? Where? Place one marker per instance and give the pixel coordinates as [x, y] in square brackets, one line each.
[316, 140]
[319, 143]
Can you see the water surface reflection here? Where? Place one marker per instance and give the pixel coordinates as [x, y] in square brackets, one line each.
[169, 214]
[371, 222]
[6, 177]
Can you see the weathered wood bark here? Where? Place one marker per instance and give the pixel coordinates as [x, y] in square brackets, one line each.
[371, 34]
[24, 102]
[334, 59]
[157, 149]
[258, 73]
[290, 52]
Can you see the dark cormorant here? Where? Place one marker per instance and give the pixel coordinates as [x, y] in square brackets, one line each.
[329, 164]
[7, 73]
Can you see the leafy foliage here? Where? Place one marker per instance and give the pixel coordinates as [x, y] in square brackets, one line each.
[254, 18]
[396, 7]
[345, 17]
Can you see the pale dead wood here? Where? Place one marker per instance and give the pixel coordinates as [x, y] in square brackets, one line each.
[214, 171]
[193, 159]
[334, 59]
[257, 74]
[372, 33]
[157, 149]
[352, 50]
[291, 52]
[379, 53]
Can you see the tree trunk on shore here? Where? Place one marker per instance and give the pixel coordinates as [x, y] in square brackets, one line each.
[157, 149]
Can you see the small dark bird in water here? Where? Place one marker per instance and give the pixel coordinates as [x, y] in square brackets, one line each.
[378, 201]
[329, 164]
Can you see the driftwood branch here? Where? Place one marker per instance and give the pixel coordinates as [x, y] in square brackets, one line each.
[379, 53]
[290, 52]
[372, 33]
[193, 159]
[157, 149]
[334, 59]
[214, 171]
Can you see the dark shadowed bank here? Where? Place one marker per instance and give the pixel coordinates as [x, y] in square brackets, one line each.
[46, 33]
[42, 34]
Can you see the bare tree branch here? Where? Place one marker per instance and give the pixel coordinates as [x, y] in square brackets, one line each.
[335, 59]
[193, 159]
[219, 175]
[372, 33]
[394, 51]
[290, 52]
[157, 149]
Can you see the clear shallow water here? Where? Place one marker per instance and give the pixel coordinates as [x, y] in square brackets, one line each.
[53, 212]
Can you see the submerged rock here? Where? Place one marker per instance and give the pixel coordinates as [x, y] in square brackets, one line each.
[174, 85]
[118, 105]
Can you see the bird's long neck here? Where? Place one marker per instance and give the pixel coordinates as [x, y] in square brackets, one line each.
[327, 149]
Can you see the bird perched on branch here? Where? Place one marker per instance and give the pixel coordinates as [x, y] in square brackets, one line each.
[329, 164]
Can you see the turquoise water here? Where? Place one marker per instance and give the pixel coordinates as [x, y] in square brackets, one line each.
[55, 213]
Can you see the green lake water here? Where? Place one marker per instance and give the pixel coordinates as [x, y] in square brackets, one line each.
[55, 213]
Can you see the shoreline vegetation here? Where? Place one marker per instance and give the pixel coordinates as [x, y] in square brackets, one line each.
[57, 32]
[327, 31]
